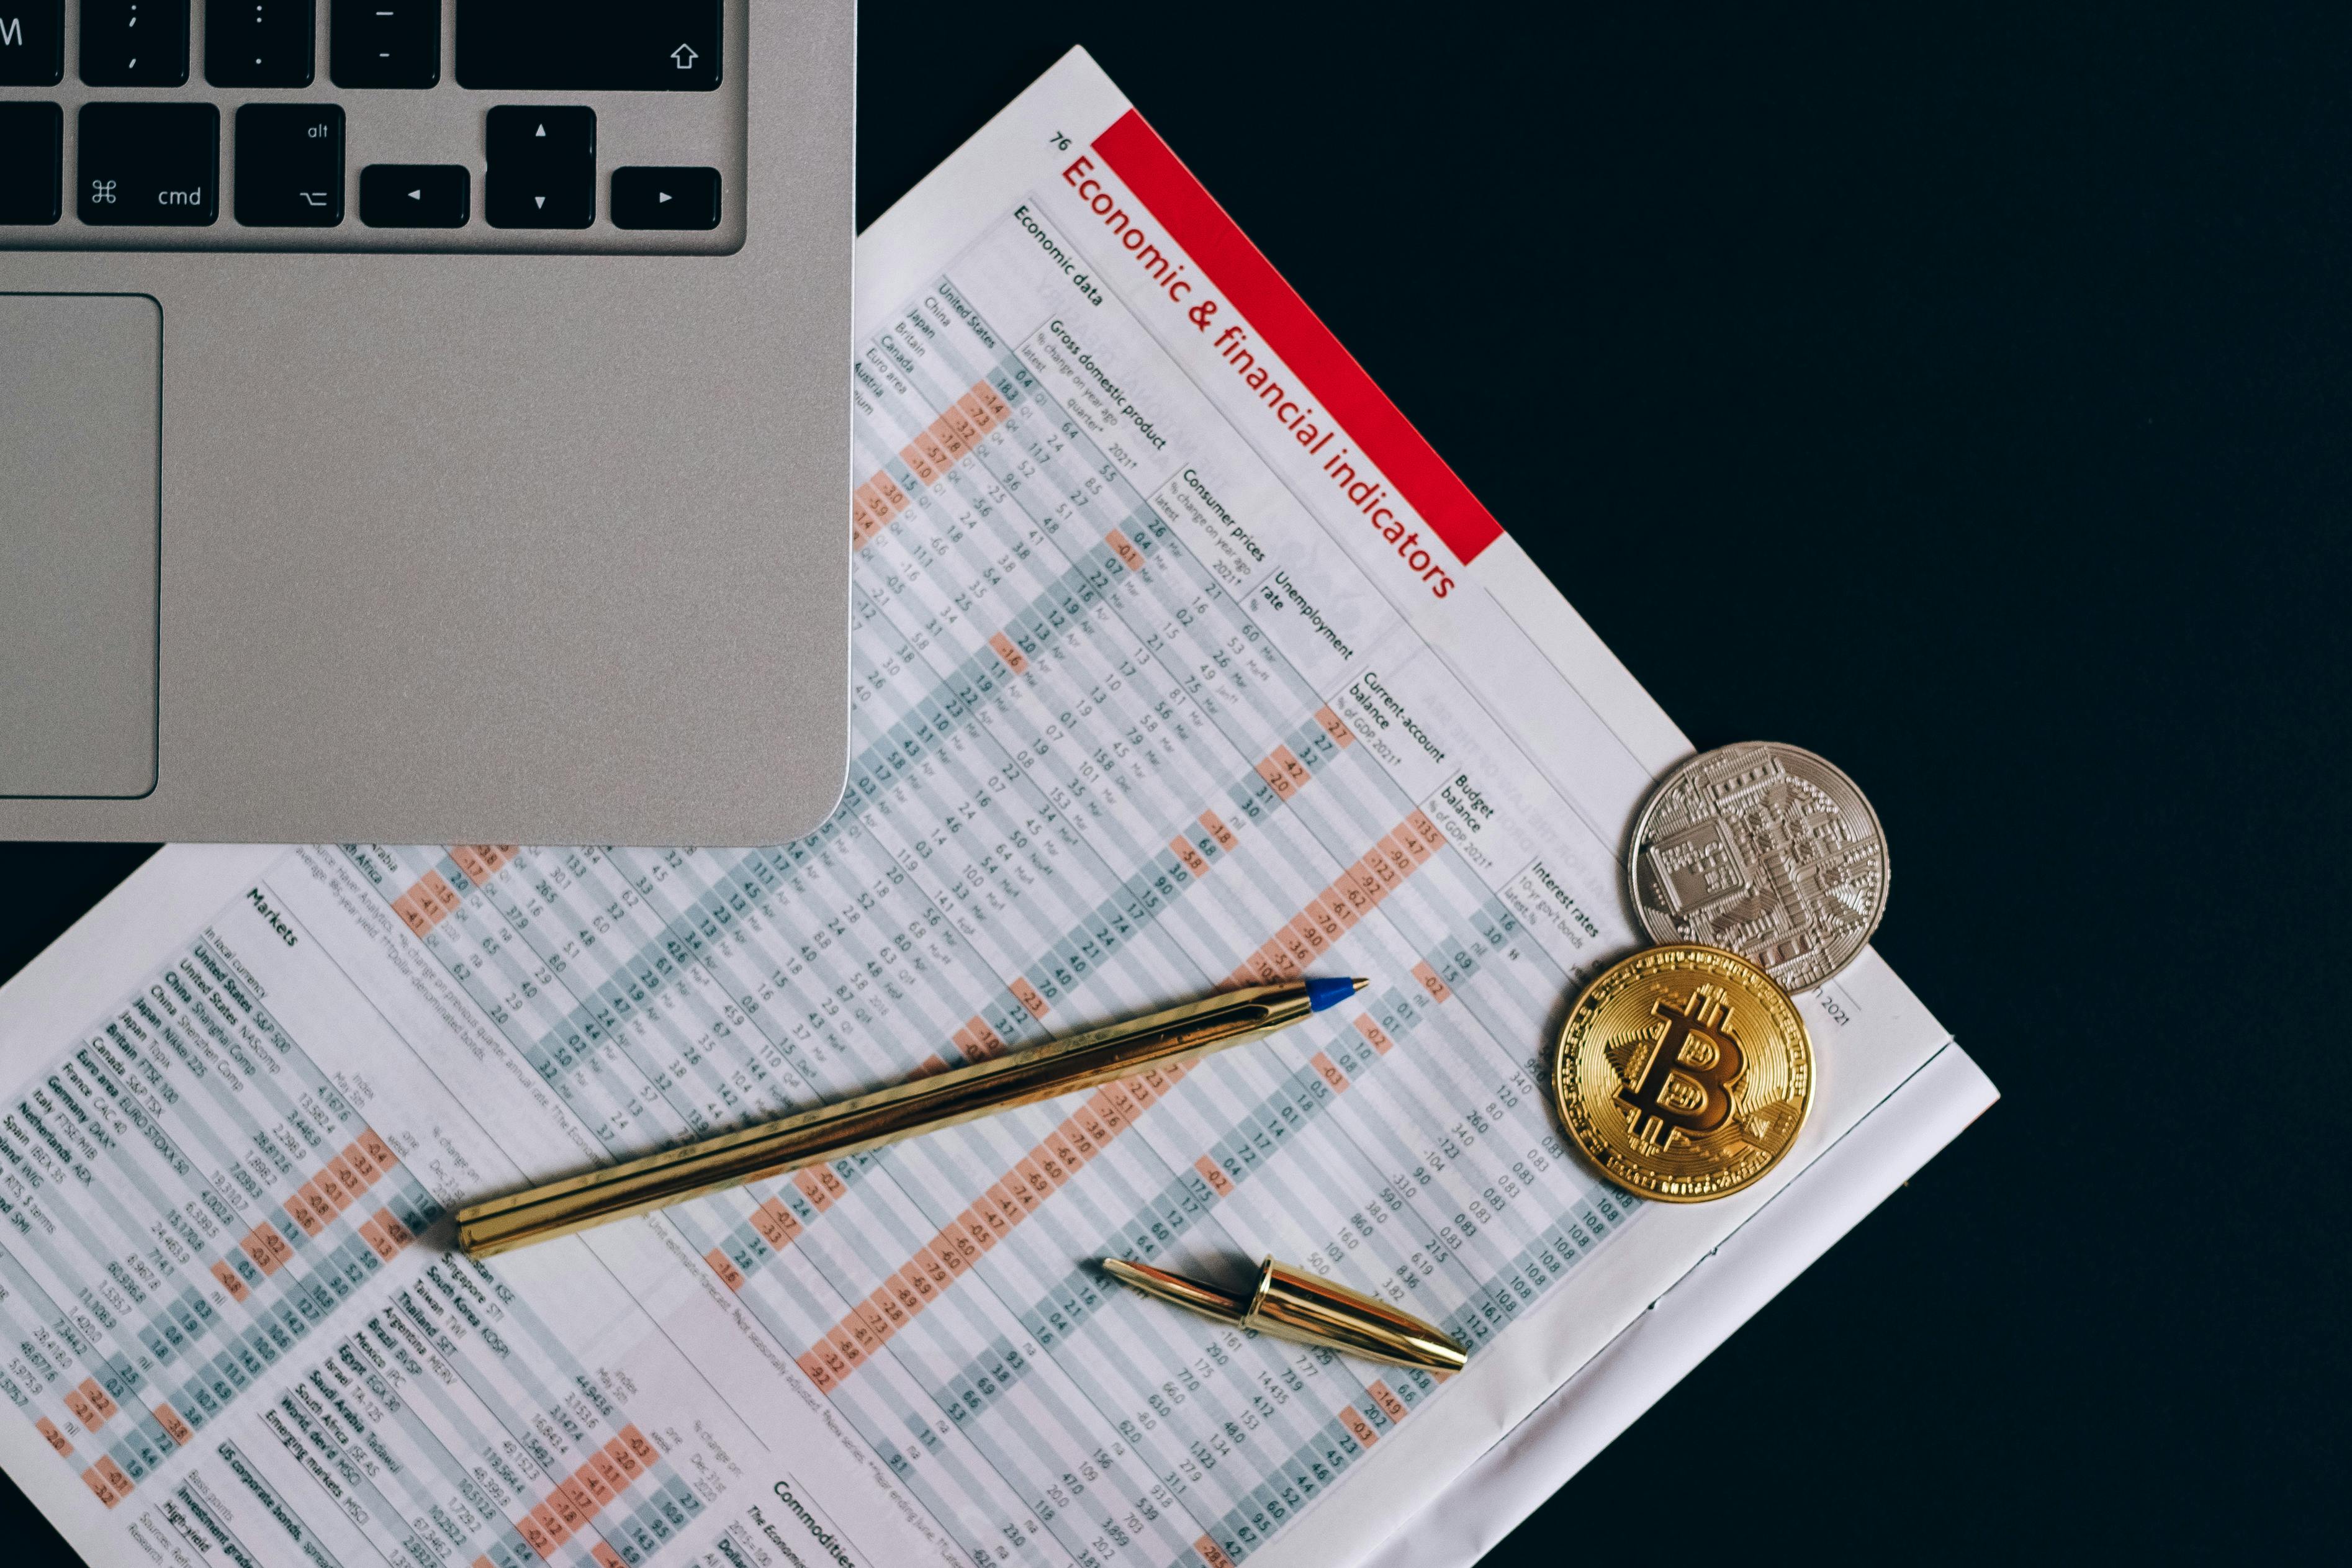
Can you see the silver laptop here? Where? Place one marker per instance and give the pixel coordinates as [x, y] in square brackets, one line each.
[423, 420]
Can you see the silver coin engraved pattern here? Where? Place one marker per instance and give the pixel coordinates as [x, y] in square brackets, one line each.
[1765, 851]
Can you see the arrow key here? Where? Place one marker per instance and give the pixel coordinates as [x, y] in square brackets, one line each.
[665, 198]
[539, 198]
[543, 167]
[535, 136]
[415, 195]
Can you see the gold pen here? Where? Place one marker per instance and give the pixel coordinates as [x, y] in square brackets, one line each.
[1292, 1304]
[1176, 1034]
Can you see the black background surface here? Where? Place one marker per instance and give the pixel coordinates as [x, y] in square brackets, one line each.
[1963, 397]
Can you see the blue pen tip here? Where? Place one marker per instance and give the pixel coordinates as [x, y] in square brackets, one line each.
[1322, 993]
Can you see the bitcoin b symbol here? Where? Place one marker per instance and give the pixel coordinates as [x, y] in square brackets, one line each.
[1686, 1086]
[1683, 1073]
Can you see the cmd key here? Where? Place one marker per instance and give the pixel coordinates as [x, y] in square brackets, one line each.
[148, 164]
[578, 45]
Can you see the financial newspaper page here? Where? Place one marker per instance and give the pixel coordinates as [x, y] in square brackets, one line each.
[1181, 663]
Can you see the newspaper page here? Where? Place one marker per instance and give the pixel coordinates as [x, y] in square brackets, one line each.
[1180, 661]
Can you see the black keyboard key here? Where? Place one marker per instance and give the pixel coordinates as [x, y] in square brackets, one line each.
[289, 166]
[32, 139]
[260, 43]
[32, 43]
[542, 170]
[134, 43]
[511, 199]
[384, 43]
[415, 195]
[577, 45]
[535, 136]
[665, 198]
[145, 163]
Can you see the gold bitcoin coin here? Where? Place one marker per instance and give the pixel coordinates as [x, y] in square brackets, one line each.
[1683, 1073]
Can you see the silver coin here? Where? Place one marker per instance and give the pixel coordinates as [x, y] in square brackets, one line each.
[1765, 851]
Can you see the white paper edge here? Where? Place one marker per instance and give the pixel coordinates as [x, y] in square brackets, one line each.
[1518, 1474]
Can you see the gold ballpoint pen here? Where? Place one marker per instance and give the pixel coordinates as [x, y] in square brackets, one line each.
[1176, 1034]
[1292, 1304]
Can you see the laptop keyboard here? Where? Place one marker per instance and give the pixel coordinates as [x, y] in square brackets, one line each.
[370, 124]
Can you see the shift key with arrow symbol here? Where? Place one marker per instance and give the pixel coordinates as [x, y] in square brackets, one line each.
[543, 167]
[590, 46]
[666, 198]
[415, 195]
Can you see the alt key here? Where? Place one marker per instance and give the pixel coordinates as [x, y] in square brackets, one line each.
[415, 195]
[289, 166]
[665, 198]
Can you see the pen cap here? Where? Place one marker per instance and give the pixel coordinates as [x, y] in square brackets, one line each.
[1293, 1305]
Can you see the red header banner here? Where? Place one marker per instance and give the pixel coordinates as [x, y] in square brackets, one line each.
[1240, 271]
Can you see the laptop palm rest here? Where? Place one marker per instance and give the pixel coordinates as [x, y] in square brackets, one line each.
[81, 390]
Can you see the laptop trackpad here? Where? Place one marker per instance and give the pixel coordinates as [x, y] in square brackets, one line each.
[80, 392]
